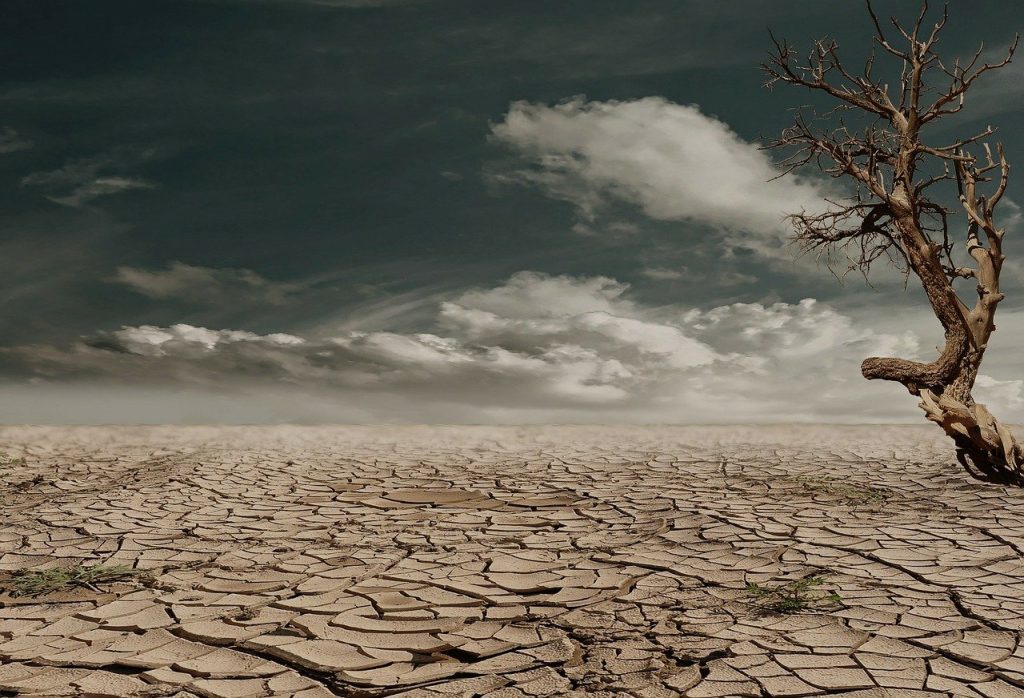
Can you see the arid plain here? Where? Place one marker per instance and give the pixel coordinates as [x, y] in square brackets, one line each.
[506, 562]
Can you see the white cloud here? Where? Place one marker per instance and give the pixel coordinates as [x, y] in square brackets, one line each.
[662, 274]
[205, 285]
[80, 181]
[1009, 393]
[11, 141]
[530, 294]
[535, 348]
[720, 278]
[147, 340]
[671, 160]
[807, 328]
[100, 186]
[533, 313]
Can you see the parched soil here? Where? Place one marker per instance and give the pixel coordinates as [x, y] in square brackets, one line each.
[508, 562]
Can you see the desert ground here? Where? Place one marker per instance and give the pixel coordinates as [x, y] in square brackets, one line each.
[505, 562]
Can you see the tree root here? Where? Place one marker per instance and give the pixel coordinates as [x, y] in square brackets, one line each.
[986, 448]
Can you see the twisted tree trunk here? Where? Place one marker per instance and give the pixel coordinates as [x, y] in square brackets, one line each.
[985, 447]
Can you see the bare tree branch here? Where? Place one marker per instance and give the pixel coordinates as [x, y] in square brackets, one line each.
[962, 79]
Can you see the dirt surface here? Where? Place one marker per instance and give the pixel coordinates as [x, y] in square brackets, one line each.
[506, 562]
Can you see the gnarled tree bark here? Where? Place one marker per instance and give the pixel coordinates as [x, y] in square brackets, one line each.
[898, 213]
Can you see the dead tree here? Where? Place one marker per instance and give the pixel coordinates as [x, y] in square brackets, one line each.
[908, 200]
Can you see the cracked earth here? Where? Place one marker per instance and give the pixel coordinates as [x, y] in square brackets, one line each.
[508, 562]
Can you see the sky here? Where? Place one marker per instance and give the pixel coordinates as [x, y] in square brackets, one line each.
[444, 211]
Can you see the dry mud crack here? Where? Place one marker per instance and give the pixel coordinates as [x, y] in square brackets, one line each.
[508, 562]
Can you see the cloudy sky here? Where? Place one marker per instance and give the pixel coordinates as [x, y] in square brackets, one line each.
[441, 211]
